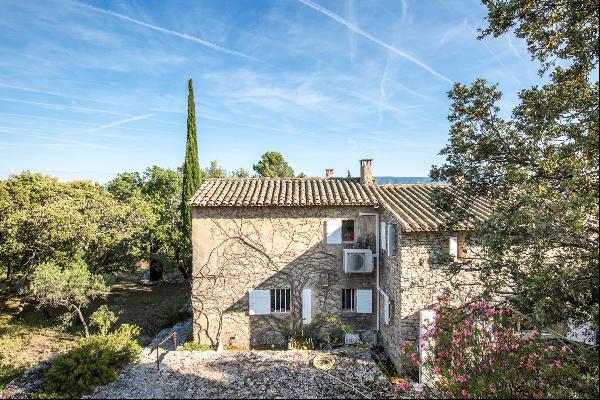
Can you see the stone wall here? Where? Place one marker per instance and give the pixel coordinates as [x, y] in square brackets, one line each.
[237, 249]
[413, 279]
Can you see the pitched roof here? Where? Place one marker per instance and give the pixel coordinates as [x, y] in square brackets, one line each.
[414, 208]
[263, 192]
[410, 203]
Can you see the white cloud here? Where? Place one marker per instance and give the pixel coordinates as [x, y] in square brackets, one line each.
[195, 39]
[373, 39]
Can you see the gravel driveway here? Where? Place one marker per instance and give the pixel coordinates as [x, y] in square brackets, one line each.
[252, 374]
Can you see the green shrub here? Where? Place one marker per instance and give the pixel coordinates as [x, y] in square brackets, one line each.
[175, 313]
[104, 317]
[95, 361]
[192, 346]
[8, 372]
[300, 340]
[340, 325]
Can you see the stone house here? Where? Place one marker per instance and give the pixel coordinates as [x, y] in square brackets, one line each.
[274, 256]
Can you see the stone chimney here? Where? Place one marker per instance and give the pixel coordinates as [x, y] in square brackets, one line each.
[366, 172]
[329, 173]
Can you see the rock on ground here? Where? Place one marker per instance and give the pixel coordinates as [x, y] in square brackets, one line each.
[29, 383]
[251, 374]
[183, 329]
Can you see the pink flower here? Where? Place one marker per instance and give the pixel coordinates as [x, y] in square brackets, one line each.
[413, 357]
[461, 378]
[464, 392]
[492, 390]
[403, 385]
[565, 349]
[534, 333]
[490, 311]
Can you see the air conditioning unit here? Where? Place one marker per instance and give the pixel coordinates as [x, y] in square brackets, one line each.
[358, 261]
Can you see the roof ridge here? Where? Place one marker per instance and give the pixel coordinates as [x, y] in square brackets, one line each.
[413, 184]
[258, 178]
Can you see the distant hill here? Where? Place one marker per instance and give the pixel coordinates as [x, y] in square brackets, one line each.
[385, 180]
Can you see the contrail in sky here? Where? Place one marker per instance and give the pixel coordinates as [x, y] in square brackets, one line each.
[50, 105]
[32, 90]
[56, 139]
[83, 109]
[99, 128]
[203, 42]
[372, 38]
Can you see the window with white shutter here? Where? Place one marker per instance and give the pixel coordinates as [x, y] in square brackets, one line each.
[453, 245]
[334, 231]
[280, 300]
[383, 235]
[259, 302]
[348, 230]
[364, 301]
[349, 299]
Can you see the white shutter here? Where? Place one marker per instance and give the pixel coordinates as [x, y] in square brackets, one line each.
[306, 306]
[426, 318]
[364, 301]
[382, 235]
[386, 308]
[259, 302]
[391, 240]
[453, 246]
[334, 231]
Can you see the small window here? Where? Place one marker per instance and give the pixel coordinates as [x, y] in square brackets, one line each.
[453, 247]
[349, 299]
[280, 300]
[348, 230]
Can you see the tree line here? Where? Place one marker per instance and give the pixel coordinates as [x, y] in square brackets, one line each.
[135, 216]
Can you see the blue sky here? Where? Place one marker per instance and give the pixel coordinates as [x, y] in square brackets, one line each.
[92, 88]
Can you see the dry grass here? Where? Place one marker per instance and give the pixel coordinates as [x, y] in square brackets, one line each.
[27, 336]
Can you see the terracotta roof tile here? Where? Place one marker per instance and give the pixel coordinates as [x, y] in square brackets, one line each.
[264, 192]
[411, 204]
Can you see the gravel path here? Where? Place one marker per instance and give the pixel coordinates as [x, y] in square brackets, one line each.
[252, 374]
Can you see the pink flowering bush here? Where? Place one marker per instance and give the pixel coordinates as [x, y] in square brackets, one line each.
[476, 352]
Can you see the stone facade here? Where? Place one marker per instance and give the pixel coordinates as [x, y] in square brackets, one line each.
[237, 249]
[413, 279]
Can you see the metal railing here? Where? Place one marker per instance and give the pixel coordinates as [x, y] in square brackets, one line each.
[174, 335]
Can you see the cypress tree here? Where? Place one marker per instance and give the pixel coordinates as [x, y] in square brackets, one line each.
[191, 174]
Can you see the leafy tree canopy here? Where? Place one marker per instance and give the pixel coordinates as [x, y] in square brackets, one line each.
[73, 287]
[217, 171]
[272, 164]
[539, 167]
[43, 219]
[160, 190]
